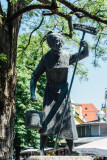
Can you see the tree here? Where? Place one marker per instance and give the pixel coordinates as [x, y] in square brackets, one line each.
[91, 12]
[25, 66]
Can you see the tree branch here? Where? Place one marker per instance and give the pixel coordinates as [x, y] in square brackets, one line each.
[97, 45]
[95, 60]
[9, 10]
[1, 11]
[70, 26]
[48, 14]
[52, 7]
[32, 33]
[79, 15]
[44, 1]
[54, 2]
[77, 9]
[76, 1]
[29, 8]
[47, 5]
[67, 17]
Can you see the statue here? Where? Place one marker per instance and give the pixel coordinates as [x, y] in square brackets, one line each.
[55, 63]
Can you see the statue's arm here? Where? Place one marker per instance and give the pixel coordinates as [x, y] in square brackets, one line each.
[84, 53]
[35, 76]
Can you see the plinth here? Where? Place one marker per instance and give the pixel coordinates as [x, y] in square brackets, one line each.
[59, 158]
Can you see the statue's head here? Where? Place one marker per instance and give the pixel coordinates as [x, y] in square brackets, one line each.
[54, 40]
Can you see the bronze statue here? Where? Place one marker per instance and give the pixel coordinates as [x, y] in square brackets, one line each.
[55, 63]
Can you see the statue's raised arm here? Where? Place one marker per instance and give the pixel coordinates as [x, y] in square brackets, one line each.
[84, 53]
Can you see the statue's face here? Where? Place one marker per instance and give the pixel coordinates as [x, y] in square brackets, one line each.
[55, 41]
[57, 44]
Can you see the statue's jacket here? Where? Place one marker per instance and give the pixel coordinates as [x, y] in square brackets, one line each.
[56, 67]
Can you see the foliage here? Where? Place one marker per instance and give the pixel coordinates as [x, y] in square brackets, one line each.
[3, 57]
[76, 116]
[54, 22]
[82, 72]
[26, 63]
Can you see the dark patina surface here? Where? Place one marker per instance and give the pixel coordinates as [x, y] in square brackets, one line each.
[55, 63]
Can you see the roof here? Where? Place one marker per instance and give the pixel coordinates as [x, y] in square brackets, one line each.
[84, 140]
[89, 112]
[95, 123]
[98, 148]
[79, 120]
[33, 150]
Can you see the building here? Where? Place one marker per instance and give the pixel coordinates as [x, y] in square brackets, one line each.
[89, 112]
[104, 106]
[77, 111]
[92, 129]
[84, 113]
[104, 109]
[93, 137]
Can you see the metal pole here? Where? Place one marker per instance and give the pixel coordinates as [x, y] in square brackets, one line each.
[69, 90]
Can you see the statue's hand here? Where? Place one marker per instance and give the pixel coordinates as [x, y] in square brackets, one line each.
[33, 99]
[84, 44]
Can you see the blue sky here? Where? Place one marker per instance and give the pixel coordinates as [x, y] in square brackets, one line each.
[93, 90]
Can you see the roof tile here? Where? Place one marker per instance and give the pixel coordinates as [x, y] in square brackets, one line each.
[89, 112]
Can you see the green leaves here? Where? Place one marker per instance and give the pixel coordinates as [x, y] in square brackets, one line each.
[82, 72]
[1, 16]
[3, 57]
[26, 64]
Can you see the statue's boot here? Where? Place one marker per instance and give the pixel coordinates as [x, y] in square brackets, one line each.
[43, 140]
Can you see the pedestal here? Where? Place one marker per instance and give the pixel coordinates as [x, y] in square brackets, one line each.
[59, 158]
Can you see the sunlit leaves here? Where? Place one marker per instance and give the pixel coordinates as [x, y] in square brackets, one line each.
[82, 72]
[13, 1]
[3, 57]
[26, 64]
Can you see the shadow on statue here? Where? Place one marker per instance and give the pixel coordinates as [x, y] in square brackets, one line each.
[55, 63]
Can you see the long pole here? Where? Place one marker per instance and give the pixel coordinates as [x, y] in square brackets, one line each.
[68, 94]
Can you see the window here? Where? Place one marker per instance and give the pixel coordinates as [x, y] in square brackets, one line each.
[86, 108]
[85, 114]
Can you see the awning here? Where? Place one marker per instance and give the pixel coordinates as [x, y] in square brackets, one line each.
[98, 148]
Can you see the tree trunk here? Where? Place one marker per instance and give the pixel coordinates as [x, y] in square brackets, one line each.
[17, 146]
[8, 46]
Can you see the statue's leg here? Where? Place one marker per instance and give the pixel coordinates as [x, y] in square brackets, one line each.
[43, 140]
[70, 144]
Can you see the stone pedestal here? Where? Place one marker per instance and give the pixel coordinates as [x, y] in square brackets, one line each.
[59, 158]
